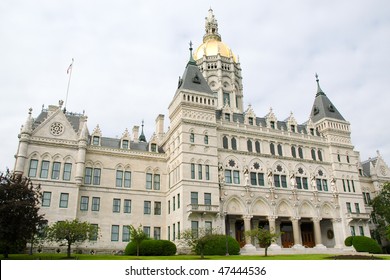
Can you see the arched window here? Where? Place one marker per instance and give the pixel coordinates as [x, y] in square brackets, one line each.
[206, 139]
[313, 154]
[225, 142]
[280, 150]
[249, 145]
[192, 137]
[300, 152]
[257, 147]
[293, 152]
[320, 155]
[234, 143]
[272, 148]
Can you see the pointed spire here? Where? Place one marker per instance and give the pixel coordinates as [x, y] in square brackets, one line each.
[142, 137]
[27, 127]
[319, 90]
[191, 61]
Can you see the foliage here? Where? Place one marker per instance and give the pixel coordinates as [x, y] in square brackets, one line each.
[348, 241]
[216, 245]
[197, 240]
[71, 232]
[264, 237]
[151, 247]
[19, 217]
[363, 244]
[381, 210]
[137, 235]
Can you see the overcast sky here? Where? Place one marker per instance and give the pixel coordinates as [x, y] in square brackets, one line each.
[129, 54]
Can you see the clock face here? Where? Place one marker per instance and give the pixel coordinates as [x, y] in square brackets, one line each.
[383, 170]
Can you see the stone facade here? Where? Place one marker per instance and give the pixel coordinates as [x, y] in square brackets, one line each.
[217, 166]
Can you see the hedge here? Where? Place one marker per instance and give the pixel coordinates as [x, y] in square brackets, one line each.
[151, 247]
[216, 245]
[363, 244]
[348, 241]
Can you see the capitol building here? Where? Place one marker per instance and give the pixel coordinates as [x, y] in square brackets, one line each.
[218, 165]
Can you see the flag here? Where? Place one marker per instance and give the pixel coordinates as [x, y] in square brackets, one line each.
[70, 67]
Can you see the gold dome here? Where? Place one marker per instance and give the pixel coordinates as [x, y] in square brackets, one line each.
[213, 47]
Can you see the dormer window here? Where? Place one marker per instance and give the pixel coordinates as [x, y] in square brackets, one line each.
[250, 120]
[272, 124]
[292, 128]
[96, 140]
[312, 131]
[125, 144]
[227, 117]
[153, 147]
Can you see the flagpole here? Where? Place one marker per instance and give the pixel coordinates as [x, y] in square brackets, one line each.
[69, 71]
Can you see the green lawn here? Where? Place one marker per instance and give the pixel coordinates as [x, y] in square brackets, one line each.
[179, 257]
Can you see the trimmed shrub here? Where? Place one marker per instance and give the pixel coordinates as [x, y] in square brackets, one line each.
[216, 245]
[151, 247]
[366, 244]
[348, 241]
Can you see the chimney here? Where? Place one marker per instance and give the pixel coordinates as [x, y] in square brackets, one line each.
[135, 133]
[160, 126]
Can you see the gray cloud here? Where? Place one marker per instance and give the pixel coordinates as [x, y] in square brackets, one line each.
[129, 54]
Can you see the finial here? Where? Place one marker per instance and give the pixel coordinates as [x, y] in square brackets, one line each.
[191, 61]
[30, 111]
[142, 137]
[319, 90]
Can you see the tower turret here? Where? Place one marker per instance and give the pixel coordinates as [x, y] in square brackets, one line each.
[220, 67]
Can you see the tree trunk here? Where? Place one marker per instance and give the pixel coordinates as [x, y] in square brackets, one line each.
[266, 251]
[5, 253]
[68, 251]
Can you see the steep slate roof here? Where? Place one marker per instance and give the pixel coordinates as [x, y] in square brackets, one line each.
[193, 79]
[323, 107]
[74, 119]
[116, 144]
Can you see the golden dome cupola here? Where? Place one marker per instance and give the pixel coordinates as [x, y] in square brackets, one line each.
[220, 67]
[212, 43]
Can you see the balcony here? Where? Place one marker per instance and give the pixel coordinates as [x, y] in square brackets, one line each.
[203, 209]
[356, 216]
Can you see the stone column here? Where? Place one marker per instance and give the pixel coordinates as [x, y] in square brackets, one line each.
[317, 232]
[297, 233]
[247, 226]
[337, 231]
[232, 227]
[272, 229]
[224, 221]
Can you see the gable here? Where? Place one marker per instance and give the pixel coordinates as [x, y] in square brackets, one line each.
[56, 125]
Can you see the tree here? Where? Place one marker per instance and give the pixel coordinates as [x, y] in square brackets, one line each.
[197, 239]
[71, 232]
[19, 207]
[137, 235]
[264, 237]
[381, 211]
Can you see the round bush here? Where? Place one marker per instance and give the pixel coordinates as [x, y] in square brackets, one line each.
[366, 244]
[151, 247]
[348, 241]
[216, 245]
